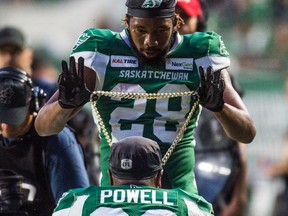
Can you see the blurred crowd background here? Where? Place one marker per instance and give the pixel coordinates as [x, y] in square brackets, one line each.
[255, 33]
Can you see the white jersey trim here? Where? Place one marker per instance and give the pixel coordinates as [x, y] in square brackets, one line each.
[217, 62]
[97, 62]
[193, 209]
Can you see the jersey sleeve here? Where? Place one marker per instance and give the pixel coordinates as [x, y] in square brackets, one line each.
[71, 203]
[213, 52]
[90, 45]
[195, 204]
[86, 47]
[64, 204]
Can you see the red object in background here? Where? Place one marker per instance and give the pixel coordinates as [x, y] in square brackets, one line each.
[191, 7]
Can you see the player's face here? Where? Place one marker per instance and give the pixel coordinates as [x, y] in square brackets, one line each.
[151, 36]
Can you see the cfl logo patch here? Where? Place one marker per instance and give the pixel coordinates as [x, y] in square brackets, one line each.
[126, 164]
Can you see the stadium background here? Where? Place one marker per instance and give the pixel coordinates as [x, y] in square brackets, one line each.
[254, 31]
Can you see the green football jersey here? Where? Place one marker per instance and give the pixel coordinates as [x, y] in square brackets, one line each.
[118, 69]
[131, 200]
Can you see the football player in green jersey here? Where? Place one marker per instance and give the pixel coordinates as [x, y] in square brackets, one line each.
[135, 172]
[149, 59]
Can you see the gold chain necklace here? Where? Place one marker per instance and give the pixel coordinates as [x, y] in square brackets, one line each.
[96, 94]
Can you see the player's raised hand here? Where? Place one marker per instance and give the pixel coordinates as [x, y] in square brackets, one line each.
[72, 90]
[211, 89]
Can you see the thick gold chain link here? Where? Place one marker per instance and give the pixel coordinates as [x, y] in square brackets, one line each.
[96, 94]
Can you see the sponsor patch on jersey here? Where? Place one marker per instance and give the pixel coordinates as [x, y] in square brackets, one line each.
[82, 38]
[124, 61]
[179, 64]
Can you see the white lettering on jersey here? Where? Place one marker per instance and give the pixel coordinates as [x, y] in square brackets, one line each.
[124, 61]
[77, 208]
[132, 196]
[135, 196]
[179, 64]
[161, 75]
[154, 198]
[165, 199]
[105, 194]
[119, 196]
[145, 196]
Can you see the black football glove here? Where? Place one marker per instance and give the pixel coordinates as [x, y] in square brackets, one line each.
[211, 89]
[72, 90]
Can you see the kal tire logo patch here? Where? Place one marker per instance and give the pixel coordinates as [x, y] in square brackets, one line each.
[124, 61]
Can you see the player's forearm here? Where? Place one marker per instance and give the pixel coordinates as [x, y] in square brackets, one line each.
[51, 119]
[237, 124]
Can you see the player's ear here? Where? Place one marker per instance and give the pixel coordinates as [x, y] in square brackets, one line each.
[177, 22]
[110, 177]
[126, 20]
